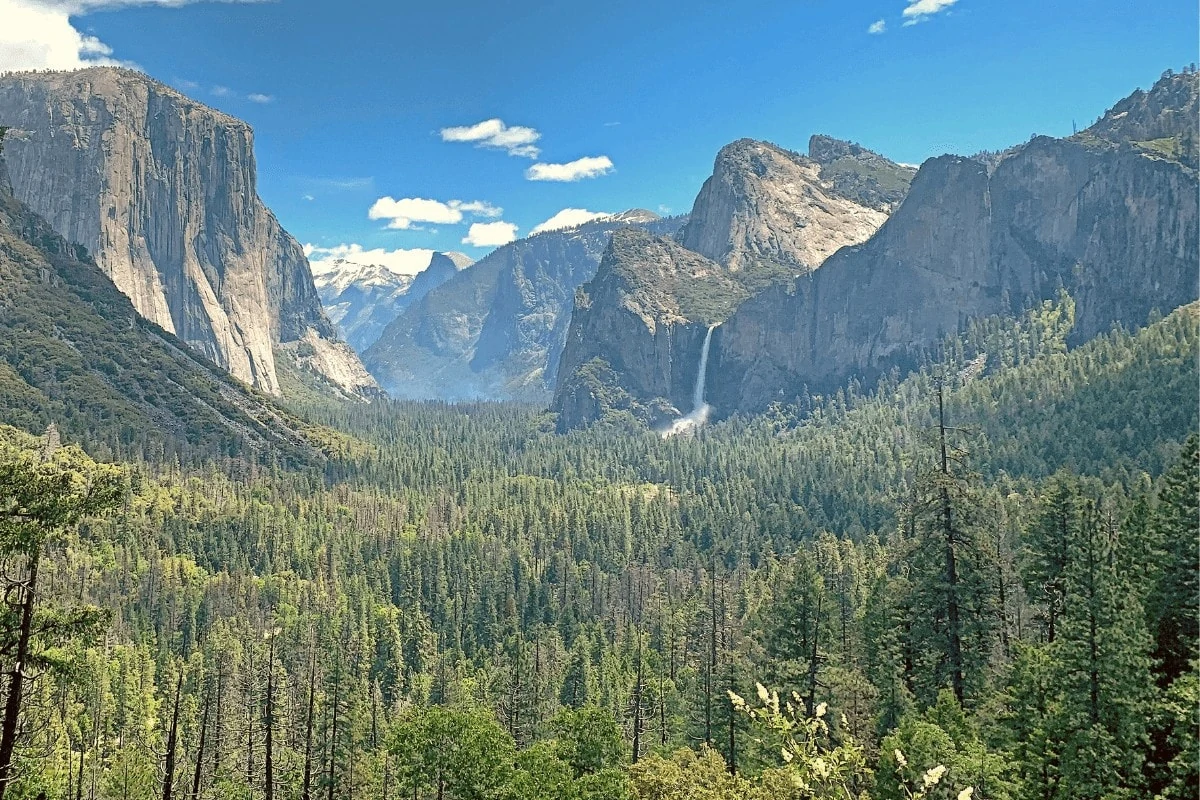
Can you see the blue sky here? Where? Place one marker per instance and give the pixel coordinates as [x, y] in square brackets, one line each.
[349, 99]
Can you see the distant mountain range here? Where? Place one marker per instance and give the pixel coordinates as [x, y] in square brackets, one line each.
[362, 299]
[496, 329]
[815, 269]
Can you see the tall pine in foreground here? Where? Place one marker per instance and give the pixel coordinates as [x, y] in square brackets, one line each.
[952, 603]
[43, 493]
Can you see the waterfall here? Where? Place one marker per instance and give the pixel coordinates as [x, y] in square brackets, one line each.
[698, 392]
[700, 409]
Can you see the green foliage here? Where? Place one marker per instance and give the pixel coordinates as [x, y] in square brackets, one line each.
[461, 751]
[688, 775]
[587, 739]
[816, 766]
[942, 736]
[468, 599]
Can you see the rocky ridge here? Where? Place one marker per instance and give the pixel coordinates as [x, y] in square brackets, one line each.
[767, 213]
[1111, 222]
[362, 299]
[656, 299]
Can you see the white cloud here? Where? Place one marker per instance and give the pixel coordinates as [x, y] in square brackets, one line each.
[587, 167]
[921, 10]
[257, 97]
[402, 213]
[878, 26]
[516, 140]
[39, 34]
[401, 262]
[568, 218]
[477, 207]
[490, 234]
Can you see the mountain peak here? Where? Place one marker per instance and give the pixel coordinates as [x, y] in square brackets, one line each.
[767, 211]
[162, 192]
[461, 260]
[634, 216]
[1162, 120]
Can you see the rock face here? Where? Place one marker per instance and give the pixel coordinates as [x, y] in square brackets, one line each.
[362, 299]
[496, 329]
[765, 215]
[637, 329]
[1112, 222]
[768, 213]
[73, 351]
[161, 190]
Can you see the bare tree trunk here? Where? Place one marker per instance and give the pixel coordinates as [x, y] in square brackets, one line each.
[172, 742]
[952, 610]
[306, 791]
[196, 775]
[16, 678]
[337, 677]
[269, 721]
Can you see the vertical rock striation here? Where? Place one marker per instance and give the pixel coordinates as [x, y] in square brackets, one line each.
[162, 191]
[1111, 220]
[638, 329]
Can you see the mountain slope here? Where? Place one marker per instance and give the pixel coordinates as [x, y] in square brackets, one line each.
[496, 329]
[766, 214]
[363, 299]
[856, 173]
[74, 351]
[1112, 223]
[161, 190]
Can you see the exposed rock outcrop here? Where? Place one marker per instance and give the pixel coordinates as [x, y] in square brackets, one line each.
[496, 329]
[637, 329]
[73, 351]
[1113, 224]
[854, 172]
[765, 215]
[766, 212]
[161, 190]
[1169, 109]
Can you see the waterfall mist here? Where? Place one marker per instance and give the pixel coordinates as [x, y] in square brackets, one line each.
[700, 409]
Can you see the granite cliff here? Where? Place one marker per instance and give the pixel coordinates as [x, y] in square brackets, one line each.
[1102, 214]
[837, 289]
[769, 214]
[75, 352]
[161, 191]
[654, 300]
[766, 214]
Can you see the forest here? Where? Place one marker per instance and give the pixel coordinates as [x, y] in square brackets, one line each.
[975, 581]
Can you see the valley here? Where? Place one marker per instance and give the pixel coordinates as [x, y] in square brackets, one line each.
[857, 480]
